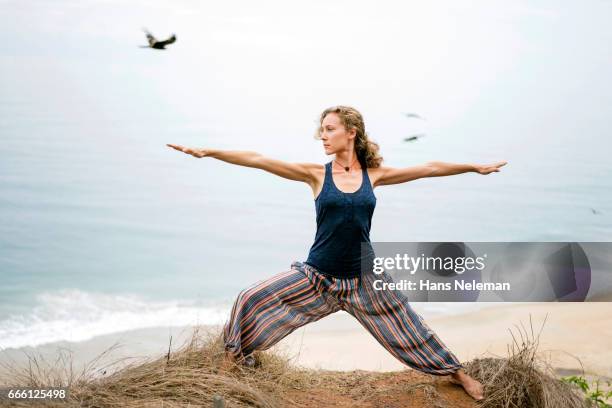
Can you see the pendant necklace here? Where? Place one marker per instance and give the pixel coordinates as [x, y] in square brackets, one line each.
[346, 168]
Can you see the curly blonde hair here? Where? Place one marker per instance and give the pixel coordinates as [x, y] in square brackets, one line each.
[366, 149]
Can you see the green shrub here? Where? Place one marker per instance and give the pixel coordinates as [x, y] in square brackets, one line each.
[595, 397]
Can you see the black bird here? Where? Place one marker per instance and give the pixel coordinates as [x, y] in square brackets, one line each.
[155, 43]
[594, 211]
[414, 137]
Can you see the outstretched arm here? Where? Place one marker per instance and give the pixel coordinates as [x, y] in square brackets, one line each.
[391, 175]
[292, 171]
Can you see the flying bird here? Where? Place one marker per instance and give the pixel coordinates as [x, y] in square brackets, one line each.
[414, 137]
[155, 43]
[596, 212]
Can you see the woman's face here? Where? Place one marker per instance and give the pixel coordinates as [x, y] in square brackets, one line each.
[334, 136]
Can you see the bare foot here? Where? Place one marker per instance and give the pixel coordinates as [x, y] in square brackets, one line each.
[250, 361]
[470, 385]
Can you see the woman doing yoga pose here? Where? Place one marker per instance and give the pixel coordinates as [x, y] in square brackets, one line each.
[331, 278]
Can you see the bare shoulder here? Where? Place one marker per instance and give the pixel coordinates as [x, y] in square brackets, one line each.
[317, 173]
[375, 174]
[317, 176]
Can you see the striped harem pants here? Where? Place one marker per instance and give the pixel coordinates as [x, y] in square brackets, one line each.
[269, 310]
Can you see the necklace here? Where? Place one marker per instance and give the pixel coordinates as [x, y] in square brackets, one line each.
[346, 168]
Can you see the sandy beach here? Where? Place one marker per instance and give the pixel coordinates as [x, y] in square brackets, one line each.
[574, 333]
[576, 336]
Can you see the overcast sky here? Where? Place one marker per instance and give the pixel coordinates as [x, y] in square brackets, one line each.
[512, 72]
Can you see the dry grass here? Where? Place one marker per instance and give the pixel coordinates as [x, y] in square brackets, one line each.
[195, 373]
[523, 379]
[188, 377]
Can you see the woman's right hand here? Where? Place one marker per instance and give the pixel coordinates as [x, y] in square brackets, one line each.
[199, 153]
[310, 173]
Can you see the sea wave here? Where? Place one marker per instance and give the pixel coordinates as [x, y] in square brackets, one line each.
[75, 315]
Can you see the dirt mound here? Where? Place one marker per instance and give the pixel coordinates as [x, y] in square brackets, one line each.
[195, 373]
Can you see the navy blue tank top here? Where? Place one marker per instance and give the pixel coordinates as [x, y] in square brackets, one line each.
[343, 224]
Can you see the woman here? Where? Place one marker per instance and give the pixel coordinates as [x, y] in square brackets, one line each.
[330, 279]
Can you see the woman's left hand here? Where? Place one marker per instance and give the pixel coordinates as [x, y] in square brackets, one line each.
[490, 168]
